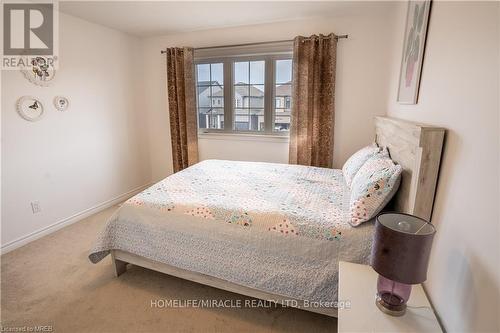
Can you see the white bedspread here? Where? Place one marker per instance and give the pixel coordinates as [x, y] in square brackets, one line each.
[273, 227]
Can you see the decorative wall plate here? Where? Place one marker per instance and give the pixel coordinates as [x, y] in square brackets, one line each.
[29, 108]
[61, 103]
[40, 72]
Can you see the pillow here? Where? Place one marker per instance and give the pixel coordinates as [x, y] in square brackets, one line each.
[356, 161]
[374, 185]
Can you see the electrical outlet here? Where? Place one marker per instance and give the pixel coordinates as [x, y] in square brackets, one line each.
[35, 207]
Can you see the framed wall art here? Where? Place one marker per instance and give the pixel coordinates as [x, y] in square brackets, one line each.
[417, 20]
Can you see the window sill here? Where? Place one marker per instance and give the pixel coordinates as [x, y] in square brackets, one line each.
[244, 137]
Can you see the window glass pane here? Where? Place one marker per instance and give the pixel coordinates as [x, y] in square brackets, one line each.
[282, 123]
[203, 117]
[241, 74]
[282, 95]
[216, 118]
[241, 120]
[203, 74]
[217, 96]
[241, 96]
[257, 72]
[284, 71]
[241, 112]
[255, 111]
[212, 118]
[249, 78]
[256, 99]
[241, 125]
[203, 96]
[217, 73]
[256, 119]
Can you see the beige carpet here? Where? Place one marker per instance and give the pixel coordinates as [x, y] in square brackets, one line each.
[51, 282]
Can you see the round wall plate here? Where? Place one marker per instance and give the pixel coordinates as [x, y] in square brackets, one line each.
[61, 103]
[40, 72]
[29, 108]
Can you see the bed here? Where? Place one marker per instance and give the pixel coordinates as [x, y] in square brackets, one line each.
[270, 231]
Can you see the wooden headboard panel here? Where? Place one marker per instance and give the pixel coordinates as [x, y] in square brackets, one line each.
[417, 148]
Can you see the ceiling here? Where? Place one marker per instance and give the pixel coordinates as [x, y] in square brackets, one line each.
[153, 18]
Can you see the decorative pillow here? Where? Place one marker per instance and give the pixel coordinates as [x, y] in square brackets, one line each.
[356, 161]
[373, 186]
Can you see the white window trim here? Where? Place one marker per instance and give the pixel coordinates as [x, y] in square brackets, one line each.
[242, 136]
[227, 56]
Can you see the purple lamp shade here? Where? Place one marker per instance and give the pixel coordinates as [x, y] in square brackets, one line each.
[400, 255]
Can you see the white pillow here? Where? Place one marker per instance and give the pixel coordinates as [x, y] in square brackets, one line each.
[372, 188]
[356, 161]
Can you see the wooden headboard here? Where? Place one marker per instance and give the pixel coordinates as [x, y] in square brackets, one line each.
[417, 148]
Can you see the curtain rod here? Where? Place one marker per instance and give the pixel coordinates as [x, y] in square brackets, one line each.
[251, 44]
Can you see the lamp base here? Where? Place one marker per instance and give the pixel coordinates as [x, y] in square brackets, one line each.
[390, 309]
[392, 296]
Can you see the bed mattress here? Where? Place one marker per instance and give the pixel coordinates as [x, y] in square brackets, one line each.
[273, 227]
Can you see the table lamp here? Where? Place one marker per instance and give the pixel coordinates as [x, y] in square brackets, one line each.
[400, 255]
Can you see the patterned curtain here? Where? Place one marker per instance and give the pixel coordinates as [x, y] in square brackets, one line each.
[311, 128]
[182, 107]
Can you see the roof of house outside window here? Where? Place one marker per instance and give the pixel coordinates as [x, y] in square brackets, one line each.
[242, 89]
[284, 89]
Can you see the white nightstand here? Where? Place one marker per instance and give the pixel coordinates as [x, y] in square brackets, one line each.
[358, 286]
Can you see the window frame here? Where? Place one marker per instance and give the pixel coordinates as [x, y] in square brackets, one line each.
[229, 92]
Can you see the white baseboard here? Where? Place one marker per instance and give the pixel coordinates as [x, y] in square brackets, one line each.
[69, 220]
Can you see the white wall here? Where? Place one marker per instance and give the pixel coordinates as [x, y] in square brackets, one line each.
[460, 90]
[74, 160]
[363, 63]
[243, 147]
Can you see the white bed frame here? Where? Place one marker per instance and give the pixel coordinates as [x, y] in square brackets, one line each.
[416, 147]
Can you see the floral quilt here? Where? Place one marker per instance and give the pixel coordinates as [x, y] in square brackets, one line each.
[274, 227]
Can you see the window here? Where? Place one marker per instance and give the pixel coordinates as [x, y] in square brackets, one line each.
[244, 94]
